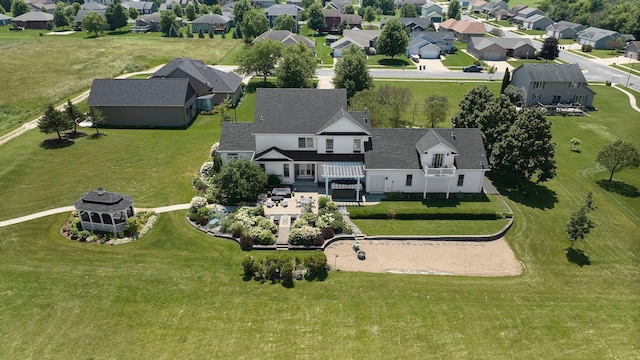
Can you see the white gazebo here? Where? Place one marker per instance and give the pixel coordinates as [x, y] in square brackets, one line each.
[104, 210]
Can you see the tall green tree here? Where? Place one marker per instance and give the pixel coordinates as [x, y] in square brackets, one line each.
[618, 156]
[285, 22]
[368, 99]
[254, 24]
[514, 94]
[506, 80]
[60, 18]
[454, 9]
[393, 39]
[72, 113]
[550, 49]
[177, 10]
[116, 16]
[408, 10]
[96, 117]
[495, 121]
[260, 59]
[616, 43]
[369, 14]
[6, 5]
[133, 13]
[435, 109]
[579, 224]
[349, 9]
[396, 100]
[297, 68]
[19, 7]
[388, 7]
[241, 181]
[352, 72]
[472, 105]
[167, 22]
[240, 8]
[190, 11]
[53, 121]
[216, 9]
[93, 22]
[315, 17]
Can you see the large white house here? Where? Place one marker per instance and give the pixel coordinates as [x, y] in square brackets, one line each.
[308, 135]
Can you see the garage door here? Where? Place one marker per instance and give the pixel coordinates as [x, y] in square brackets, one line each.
[493, 57]
[377, 184]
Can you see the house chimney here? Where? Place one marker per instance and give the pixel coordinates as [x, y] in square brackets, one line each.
[453, 131]
[365, 115]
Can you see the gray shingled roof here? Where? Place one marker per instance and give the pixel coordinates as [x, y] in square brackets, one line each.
[283, 9]
[4, 17]
[342, 113]
[297, 111]
[431, 139]
[562, 25]
[34, 16]
[82, 12]
[553, 72]
[282, 35]
[596, 34]
[506, 43]
[103, 201]
[140, 92]
[433, 35]
[211, 19]
[300, 155]
[217, 80]
[396, 148]
[237, 136]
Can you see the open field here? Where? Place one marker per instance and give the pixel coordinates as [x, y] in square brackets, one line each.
[178, 293]
[52, 78]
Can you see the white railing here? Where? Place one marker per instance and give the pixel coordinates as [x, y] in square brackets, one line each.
[446, 171]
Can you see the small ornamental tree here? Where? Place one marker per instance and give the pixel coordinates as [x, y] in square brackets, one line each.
[575, 143]
[96, 118]
[260, 59]
[297, 68]
[579, 224]
[435, 109]
[94, 23]
[53, 121]
[285, 22]
[133, 13]
[72, 113]
[618, 156]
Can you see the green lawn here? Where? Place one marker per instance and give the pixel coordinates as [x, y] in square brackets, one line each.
[634, 68]
[600, 53]
[458, 60]
[72, 71]
[177, 293]
[482, 204]
[534, 32]
[429, 227]
[399, 61]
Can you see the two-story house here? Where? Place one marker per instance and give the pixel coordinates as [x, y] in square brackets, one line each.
[564, 29]
[430, 44]
[551, 84]
[308, 135]
[282, 9]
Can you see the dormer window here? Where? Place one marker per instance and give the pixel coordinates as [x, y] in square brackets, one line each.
[305, 143]
[574, 85]
[329, 145]
[437, 161]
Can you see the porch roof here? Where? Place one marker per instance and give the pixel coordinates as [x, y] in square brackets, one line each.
[343, 170]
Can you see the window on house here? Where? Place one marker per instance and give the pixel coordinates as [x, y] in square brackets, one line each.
[409, 180]
[285, 170]
[437, 161]
[460, 180]
[305, 143]
[233, 156]
[357, 145]
[538, 85]
[574, 85]
[581, 99]
[329, 145]
[556, 99]
[535, 97]
[262, 167]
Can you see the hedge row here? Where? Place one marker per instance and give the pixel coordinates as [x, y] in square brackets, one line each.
[458, 215]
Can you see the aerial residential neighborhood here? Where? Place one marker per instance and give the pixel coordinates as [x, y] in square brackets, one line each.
[303, 179]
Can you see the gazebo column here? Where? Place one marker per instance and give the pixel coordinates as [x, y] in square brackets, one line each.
[326, 185]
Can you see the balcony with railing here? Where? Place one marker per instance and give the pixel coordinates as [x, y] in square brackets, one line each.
[449, 171]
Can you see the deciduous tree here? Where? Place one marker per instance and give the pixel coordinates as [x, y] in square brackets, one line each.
[96, 117]
[393, 39]
[435, 109]
[59, 16]
[369, 14]
[454, 9]
[395, 99]
[133, 13]
[285, 22]
[72, 113]
[297, 68]
[167, 22]
[618, 156]
[352, 72]
[19, 7]
[190, 12]
[177, 10]
[550, 49]
[53, 121]
[241, 181]
[579, 224]
[116, 16]
[514, 94]
[315, 17]
[260, 59]
[254, 24]
[472, 105]
[408, 10]
[94, 23]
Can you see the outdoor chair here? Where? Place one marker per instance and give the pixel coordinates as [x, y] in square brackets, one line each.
[284, 203]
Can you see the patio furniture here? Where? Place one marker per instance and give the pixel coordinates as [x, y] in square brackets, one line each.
[277, 198]
[269, 203]
[284, 203]
[282, 191]
[276, 220]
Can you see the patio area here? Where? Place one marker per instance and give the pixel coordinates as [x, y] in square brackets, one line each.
[279, 205]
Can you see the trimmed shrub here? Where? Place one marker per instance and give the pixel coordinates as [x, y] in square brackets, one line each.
[132, 225]
[319, 240]
[328, 233]
[316, 264]
[246, 242]
[237, 231]
[202, 221]
[331, 206]
[273, 180]
[286, 272]
[197, 202]
[322, 202]
[586, 48]
[193, 216]
[247, 266]
[304, 235]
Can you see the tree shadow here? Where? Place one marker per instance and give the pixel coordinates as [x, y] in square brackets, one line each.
[96, 136]
[532, 195]
[114, 32]
[75, 135]
[393, 62]
[321, 276]
[577, 256]
[52, 144]
[619, 187]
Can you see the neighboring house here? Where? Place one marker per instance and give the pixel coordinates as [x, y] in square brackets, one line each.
[144, 102]
[145, 23]
[494, 6]
[212, 85]
[102, 2]
[412, 24]
[94, 6]
[104, 210]
[143, 7]
[307, 135]
[277, 10]
[263, 3]
[286, 37]
[215, 22]
[5, 20]
[417, 3]
[41, 5]
[295, 2]
[431, 7]
[537, 22]
[336, 4]
[334, 17]
[169, 4]
[478, 5]
[463, 29]
[526, 13]
[83, 12]
[633, 50]
[598, 38]
[497, 49]
[564, 30]
[430, 44]
[33, 20]
[552, 84]
[363, 39]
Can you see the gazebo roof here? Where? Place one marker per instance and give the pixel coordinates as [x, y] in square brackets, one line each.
[103, 201]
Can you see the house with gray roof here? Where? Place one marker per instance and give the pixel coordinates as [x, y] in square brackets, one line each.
[33, 20]
[93, 6]
[212, 85]
[83, 12]
[144, 102]
[286, 37]
[273, 11]
[551, 84]
[5, 20]
[363, 39]
[336, 4]
[536, 22]
[214, 22]
[598, 38]
[143, 7]
[497, 49]
[430, 7]
[494, 6]
[525, 13]
[412, 24]
[430, 44]
[633, 50]
[564, 30]
[309, 135]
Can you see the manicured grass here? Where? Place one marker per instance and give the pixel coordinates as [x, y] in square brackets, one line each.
[482, 204]
[500, 23]
[429, 227]
[534, 32]
[398, 61]
[178, 293]
[634, 68]
[72, 71]
[599, 53]
[458, 60]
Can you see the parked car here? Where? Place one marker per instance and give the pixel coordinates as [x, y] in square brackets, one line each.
[472, 68]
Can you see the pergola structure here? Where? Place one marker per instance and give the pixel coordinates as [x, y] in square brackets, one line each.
[343, 170]
[104, 210]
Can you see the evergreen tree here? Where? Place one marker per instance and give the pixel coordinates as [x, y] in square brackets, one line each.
[19, 7]
[116, 16]
[200, 33]
[133, 13]
[506, 80]
[53, 121]
[72, 113]
[190, 11]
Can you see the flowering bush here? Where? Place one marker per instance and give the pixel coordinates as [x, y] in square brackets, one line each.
[250, 222]
[206, 170]
[306, 219]
[197, 202]
[304, 235]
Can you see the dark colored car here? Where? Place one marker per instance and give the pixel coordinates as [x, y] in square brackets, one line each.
[472, 68]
